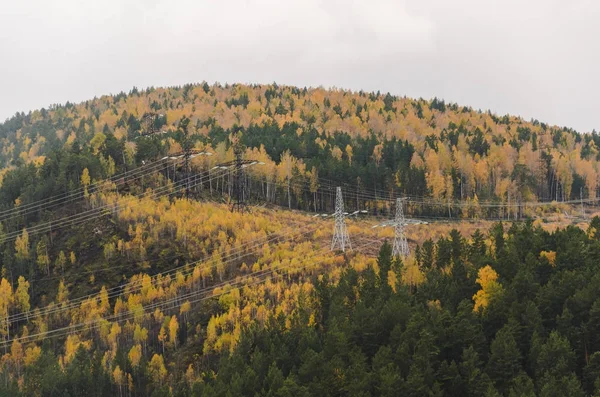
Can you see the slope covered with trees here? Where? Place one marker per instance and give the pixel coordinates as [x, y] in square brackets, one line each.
[512, 312]
[123, 272]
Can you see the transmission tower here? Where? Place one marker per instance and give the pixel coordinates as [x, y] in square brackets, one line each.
[148, 125]
[239, 180]
[341, 240]
[238, 166]
[186, 155]
[188, 152]
[400, 247]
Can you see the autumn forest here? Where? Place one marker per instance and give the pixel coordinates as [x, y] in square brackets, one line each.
[124, 270]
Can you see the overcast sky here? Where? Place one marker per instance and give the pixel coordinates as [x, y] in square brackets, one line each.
[538, 59]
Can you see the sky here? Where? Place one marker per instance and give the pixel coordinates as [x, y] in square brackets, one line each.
[537, 58]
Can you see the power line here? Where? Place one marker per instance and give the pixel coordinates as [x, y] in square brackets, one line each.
[77, 194]
[133, 287]
[432, 203]
[239, 179]
[195, 297]
[371, 194]
[98, 211]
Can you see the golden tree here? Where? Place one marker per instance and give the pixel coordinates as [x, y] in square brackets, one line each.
[157, 369]
[85, 182]
[173, 329]
[487, 278]
[6, 302]
[135, 355]
[22, 295]
[22, 246]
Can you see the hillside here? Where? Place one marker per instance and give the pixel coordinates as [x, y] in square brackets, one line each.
[124, 271]
[370, 141]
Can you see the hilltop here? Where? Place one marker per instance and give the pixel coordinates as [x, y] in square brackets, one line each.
[379, 142]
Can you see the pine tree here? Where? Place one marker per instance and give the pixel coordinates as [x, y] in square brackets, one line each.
[505, 359]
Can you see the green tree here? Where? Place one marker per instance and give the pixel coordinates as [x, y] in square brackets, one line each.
[505, 359]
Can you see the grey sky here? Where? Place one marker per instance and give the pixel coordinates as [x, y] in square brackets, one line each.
[537, 58]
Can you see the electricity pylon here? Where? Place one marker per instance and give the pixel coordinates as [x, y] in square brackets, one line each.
[186, 155]
[239, 178]
[341, 240]
[400, 247]
[148, 125]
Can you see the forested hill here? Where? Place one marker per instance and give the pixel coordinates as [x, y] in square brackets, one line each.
[148, 284]
[371, 140]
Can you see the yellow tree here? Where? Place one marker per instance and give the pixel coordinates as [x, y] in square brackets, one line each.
[313, 176]
[140, 335]
[550, 256]
[157, 369]
[487, 278]
[72, 344]
[119, 379]
[184, 309]
[43, 259]
[113, 336]
[349, 153]
[378, 154]
[218, 265]
[16, 353]
[22, 246]
[285, 168]
[6, 301]
[564, 174]
[502, 189]
[22, 295]
[464, 164]
[85, 181]
[130, 383]
[104, 303]
[336, 153]
[190, 375]
[61, 261]
[108, 165]
[135, 355]
[162, 336]
[173, 329]
[411, 274]
[62, 297]
[32, 354]
[96, 143]
[449, 192]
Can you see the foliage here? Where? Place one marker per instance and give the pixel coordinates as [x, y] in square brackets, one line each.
[170, 296]
[469, 329]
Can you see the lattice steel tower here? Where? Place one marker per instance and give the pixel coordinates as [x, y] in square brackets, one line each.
[400, 247]
[239, 178]
[341, 240]
[240, 188]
